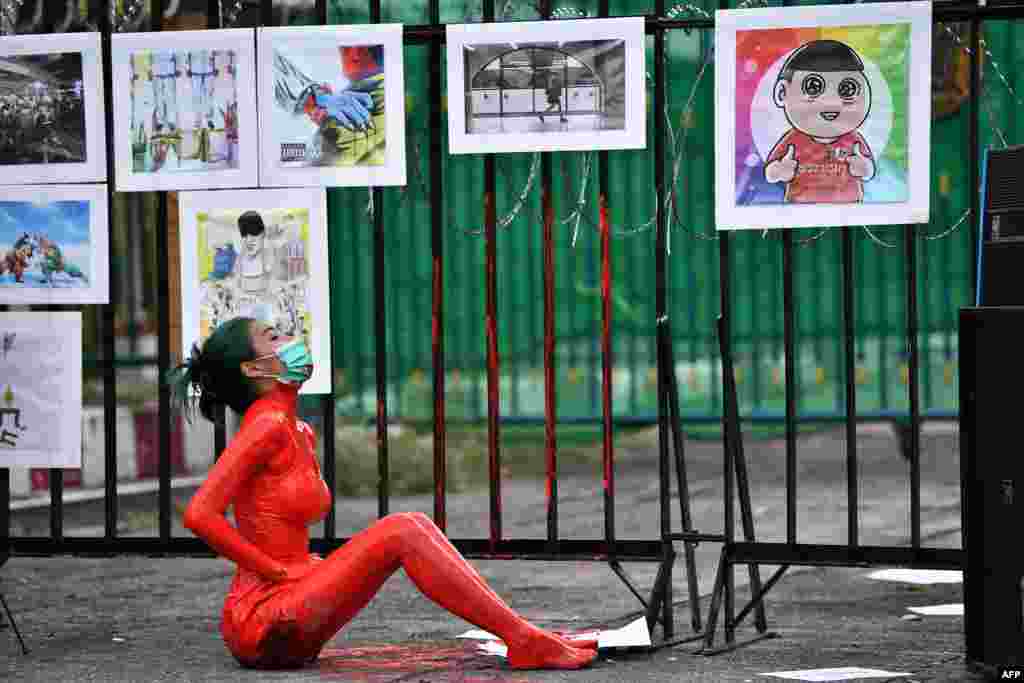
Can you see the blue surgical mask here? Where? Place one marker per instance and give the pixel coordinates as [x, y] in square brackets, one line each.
[297, 361]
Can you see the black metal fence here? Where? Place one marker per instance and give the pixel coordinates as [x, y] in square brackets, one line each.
[661, 546]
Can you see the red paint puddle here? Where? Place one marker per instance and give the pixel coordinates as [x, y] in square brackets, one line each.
[435, 662]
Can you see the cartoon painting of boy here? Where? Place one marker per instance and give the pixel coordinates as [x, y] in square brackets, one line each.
[826, 97]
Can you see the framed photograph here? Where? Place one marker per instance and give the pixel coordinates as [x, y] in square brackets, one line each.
[260, 254]
[53, 245]
[332, 106]
[815, 110]
[184, 111]
[41, 389]
[543, 86]
[52, 127]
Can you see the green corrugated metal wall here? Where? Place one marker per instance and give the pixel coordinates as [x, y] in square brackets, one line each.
[944, 268]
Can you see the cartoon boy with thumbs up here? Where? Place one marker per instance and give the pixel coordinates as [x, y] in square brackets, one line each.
[826, 96]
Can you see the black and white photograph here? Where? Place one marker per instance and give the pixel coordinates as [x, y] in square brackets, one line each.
[51, 122]
[547, 86]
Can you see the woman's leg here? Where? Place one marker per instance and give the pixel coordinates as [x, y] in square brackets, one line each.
[329, 596]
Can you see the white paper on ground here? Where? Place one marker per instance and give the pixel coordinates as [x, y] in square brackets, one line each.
[951, 610]
[633, 634]
[921, 576]
[493, 647]
[844, 673]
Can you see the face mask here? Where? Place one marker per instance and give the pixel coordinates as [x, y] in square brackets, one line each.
[297, 361]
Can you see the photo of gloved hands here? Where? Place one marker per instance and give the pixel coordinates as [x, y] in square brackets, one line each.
[348, 109]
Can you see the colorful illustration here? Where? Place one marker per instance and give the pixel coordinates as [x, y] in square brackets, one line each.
[42, 112]
[254, 263]
[184, 110]
[45, 244]
[329, 106]
[821, 115]
[41, 391]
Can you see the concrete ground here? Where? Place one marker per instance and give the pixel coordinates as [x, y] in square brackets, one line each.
[156, 619]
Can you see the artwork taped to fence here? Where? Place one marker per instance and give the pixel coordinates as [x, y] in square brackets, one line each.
[546, 86]
[184, 109]
[260, 254]
[51, 109]
[41, 389]
[825, 115]
[53, 245]
[332, 106]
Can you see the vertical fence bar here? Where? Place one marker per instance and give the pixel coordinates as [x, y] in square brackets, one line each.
[56, 474]
[437, 251]
[56, 504]
[792, 387]
[380, 304]
[493, 360]
[666, 373]
[5, 509]
[882, 306]
[164, 320]
[910, 243]
[973, 140]
[550, 386]
[267, 12]
[328, 401]
[608, 434]
[728, 435]
[491, 315]
[106, 22]
[849, 360]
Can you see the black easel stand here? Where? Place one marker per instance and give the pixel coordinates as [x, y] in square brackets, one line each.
[735, 459]
[7, 610]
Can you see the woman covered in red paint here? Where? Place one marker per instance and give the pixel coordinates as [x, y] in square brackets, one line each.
[285, 603]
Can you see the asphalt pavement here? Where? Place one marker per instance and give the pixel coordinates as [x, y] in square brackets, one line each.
[156, 619]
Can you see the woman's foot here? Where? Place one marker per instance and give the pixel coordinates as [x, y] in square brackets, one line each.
[548, 651]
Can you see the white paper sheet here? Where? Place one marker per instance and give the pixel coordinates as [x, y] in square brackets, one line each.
[633, 634]
[950, 610]
[845, 673]
[919, 576]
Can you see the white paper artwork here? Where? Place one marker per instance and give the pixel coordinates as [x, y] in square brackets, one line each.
[546, 86]
[332, 106]
[53, 244]
[41, 389]
[52, 126]
[950, 610]
[184, 110]
[260, 254]
[844, 673]
[822, 115]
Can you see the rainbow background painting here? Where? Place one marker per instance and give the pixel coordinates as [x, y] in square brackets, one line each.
[760, 53]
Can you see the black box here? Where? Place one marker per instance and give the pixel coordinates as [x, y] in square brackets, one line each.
[992, 464]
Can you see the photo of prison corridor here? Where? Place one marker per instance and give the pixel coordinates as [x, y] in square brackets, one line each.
[42, 117]
[545, 87]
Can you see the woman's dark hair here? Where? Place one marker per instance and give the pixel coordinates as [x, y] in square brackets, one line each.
[213, 375]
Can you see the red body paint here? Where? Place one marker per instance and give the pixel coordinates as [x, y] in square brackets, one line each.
[437, 662]
[284, 603]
